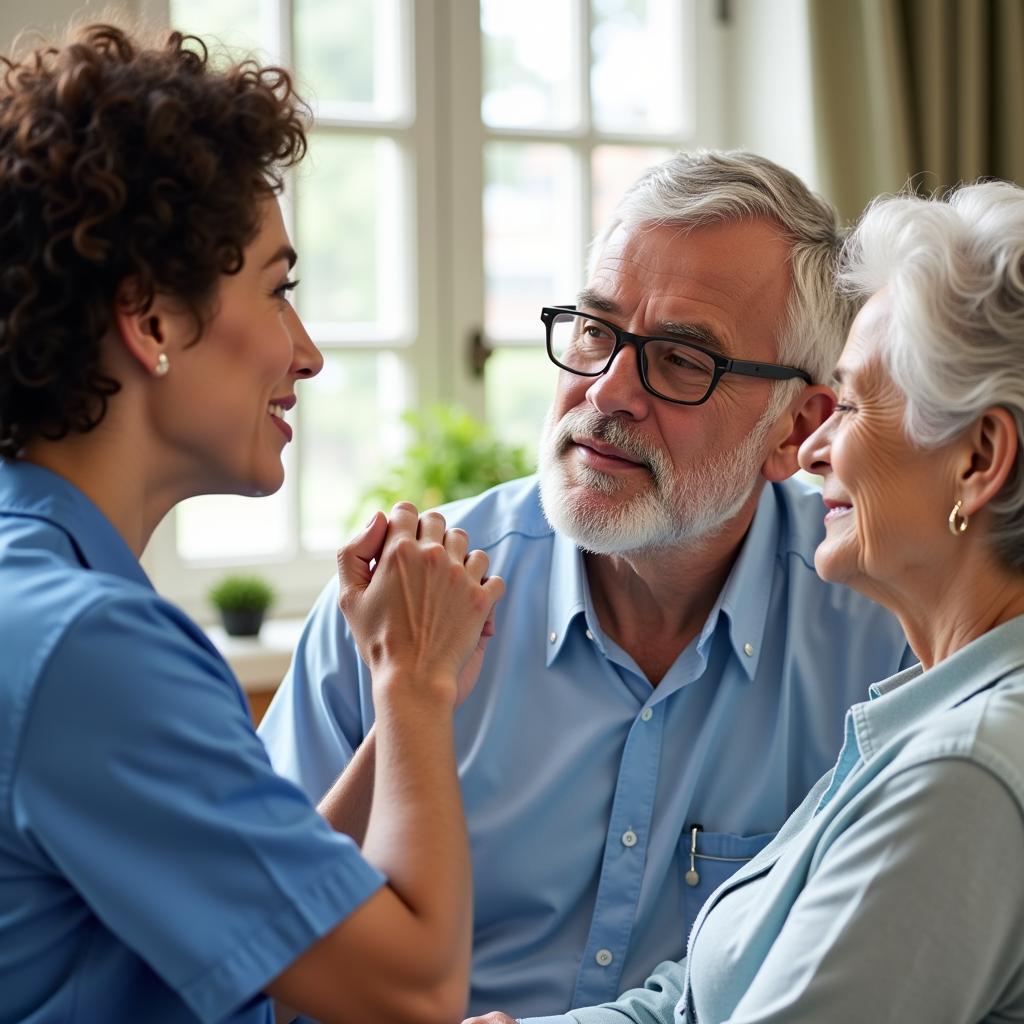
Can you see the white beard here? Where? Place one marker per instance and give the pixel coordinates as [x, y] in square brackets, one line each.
[677, 508]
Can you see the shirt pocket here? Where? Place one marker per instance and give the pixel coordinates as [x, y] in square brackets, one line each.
[717, 856]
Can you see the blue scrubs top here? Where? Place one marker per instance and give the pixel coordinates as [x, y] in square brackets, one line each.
[581, 782]
[153, 867]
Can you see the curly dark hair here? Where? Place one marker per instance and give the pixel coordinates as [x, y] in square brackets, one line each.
[121, 164]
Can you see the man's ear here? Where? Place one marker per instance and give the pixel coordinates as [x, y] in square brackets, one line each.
[805, 414]
[142, 327]
[990, 453]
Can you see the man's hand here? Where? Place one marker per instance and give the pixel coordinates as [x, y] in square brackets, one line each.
[420, 615]
[494, 1017]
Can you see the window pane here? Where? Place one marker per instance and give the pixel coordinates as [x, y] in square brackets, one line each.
[519, 386]
[350, 56]
[244, 26]
[349, 213]
[531, 212]
[350, 430]
[642, 55]
[530, 63]
[221, 528]
[613, 170]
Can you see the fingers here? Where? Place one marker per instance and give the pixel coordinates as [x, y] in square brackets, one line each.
[431, 528]
[494, 1017]
[456, 543]
[488, 629]
[355, 557]
[403, 522]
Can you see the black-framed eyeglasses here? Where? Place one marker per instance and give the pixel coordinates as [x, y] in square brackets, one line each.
[678, 371]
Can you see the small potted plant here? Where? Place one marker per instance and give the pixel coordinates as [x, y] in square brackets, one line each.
[242, 602]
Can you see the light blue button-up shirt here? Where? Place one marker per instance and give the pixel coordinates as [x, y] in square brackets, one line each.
[895, 892]
[581, 782]
[152, 866]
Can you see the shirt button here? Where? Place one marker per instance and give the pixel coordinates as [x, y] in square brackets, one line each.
[748, 650]
[552, 637]
[603, 957]
[646, 715]
[590, 636]
[629, 837]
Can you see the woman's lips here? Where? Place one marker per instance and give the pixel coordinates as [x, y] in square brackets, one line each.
[836, 509]
[282, 426]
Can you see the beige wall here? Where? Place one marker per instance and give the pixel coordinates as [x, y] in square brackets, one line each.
[51, 16]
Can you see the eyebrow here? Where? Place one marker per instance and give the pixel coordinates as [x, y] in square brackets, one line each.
[699, 333]
[286, 252]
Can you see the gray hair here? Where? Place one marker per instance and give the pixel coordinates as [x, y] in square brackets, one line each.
[954, 267]
[707, 187]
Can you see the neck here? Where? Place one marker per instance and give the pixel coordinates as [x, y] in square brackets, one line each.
[653, 603]
[111, 465]
[948, 605]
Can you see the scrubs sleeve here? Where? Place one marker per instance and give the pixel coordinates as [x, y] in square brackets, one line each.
[914, 912]
[322, 710]
[141, 780]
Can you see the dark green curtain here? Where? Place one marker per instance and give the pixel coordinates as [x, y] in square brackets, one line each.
[925, 91]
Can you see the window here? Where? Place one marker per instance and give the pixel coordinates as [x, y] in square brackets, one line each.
[572, 114]
[462, 155]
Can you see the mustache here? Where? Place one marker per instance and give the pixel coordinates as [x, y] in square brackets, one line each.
[581, 423]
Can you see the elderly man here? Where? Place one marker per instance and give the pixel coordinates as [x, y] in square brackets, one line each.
[668, 675]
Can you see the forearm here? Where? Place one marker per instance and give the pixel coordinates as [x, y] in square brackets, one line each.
[346, 805]
[416, 833]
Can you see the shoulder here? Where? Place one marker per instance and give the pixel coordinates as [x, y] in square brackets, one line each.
[801, 519]
[845, 633]
[985, 730]
[101, 657]
[510, 512]
[79, 629]
[47, 595]
[800, 516]
[506, 522]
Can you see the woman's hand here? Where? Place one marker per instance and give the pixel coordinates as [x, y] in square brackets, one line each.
[494, 1017]
[418, 603]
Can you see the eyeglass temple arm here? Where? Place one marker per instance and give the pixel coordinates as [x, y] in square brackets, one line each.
[772, 371]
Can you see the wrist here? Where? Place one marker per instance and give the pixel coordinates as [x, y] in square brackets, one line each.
[403, 689]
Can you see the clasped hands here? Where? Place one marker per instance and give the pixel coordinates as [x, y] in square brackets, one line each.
[419, 604]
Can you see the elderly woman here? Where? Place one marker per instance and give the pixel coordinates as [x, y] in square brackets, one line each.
[152, 865]
[896, 891]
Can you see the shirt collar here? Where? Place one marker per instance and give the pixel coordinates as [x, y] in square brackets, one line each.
[744, 597]
[33, 492]
[748, 589]
[899, 701]
[568, 594]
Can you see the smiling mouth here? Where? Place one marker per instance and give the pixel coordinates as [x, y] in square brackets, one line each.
[836, 510]
[276, 413]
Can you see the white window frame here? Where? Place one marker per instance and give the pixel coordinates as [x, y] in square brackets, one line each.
[442, 146]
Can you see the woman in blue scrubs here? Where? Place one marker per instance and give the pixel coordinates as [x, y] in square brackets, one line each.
[152, 865]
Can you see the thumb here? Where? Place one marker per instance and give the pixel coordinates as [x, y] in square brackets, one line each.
[355, 557]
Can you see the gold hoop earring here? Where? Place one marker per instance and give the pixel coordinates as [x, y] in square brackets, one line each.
[957, 520]
[163, 364]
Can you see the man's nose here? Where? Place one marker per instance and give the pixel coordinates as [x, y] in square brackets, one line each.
[619, 391]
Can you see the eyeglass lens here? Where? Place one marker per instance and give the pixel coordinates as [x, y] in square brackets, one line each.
[674, 369]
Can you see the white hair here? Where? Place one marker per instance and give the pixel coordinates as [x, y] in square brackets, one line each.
[707, 187]
[954, 267]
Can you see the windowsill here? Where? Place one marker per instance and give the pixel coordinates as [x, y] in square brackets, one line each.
[259, 662]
